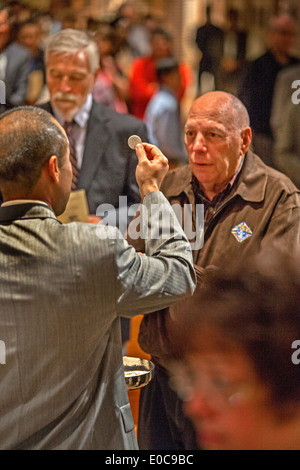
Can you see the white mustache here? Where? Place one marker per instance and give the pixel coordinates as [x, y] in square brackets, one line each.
[65, 96]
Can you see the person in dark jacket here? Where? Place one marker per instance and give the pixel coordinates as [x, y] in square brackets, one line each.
[248, 208]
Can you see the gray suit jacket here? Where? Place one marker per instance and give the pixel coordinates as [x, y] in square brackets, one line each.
[287, 143]
[16, 76]
[108, 167]
[285, 121]
[62, 292]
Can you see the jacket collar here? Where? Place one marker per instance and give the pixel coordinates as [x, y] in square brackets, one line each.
[250, 184]
[26, 211]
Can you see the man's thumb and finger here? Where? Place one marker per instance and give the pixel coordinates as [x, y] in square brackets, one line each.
[152, 167]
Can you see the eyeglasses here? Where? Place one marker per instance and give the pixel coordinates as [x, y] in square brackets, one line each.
[210, 382]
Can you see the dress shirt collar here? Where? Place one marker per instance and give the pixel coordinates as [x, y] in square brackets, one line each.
[81, 118]
[22, 201]
[220, 196]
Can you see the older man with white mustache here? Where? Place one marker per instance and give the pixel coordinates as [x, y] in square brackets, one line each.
[105, 165]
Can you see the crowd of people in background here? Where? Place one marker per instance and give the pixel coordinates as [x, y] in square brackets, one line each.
[130, 44]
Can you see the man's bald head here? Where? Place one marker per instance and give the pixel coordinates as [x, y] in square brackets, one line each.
[224, 107]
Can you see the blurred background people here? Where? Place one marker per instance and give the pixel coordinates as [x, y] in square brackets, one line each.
[235, 348]
[68, 19]
[234, 52]
[287, 143]
[112, 86]
[163, 116]
[14, 63]
[286, 85]
[256, 87]
[30, 36]
[285, 122]
[138, 36]
[143, 78]
[210, 42]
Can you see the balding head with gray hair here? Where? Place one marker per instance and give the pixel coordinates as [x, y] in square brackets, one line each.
[224, 106]
[71, 41]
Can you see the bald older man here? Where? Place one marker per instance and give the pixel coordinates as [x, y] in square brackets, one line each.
[248, 208]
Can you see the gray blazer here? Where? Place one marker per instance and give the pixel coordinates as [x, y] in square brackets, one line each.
[62, 292]
[16, 75]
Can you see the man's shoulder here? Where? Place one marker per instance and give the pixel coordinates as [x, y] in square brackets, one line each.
[272, 177]
[289, 74]
[119, 119]
[95, 237]
[263, 61]
[161, 102]
[17, 51]
[46, 106]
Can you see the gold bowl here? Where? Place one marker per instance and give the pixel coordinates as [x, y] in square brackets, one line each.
[138, 372]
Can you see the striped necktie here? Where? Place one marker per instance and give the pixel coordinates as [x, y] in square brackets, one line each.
[68, 128]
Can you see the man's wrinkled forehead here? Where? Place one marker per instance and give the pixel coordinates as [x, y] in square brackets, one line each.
[77, 59]
[212, 109]
[208, 116]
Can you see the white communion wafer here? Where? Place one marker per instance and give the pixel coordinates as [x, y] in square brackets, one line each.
[133, 141]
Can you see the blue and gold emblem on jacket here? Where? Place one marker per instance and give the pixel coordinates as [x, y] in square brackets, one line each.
[241, 232]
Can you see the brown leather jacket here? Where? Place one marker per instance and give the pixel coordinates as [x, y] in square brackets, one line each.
[264, 200]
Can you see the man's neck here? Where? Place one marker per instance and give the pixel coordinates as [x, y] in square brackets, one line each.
[212, 191]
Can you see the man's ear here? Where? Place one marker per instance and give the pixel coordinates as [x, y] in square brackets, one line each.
[246, 139]
[53, 168]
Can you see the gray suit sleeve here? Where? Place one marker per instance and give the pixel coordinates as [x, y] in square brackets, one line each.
[21, 74]
[165, 273]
